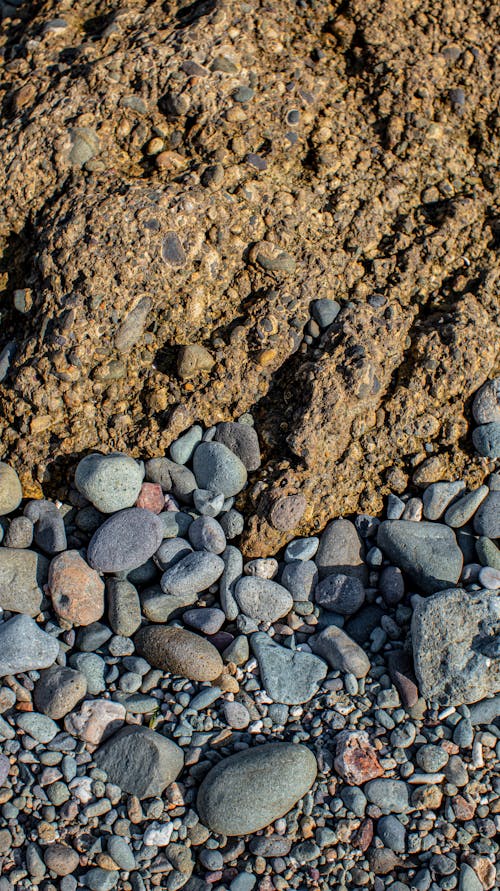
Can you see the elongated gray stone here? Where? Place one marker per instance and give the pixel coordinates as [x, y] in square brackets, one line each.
[249, 790]
[192, 574]
[428, 552]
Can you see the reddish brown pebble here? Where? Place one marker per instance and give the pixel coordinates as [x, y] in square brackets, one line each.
[151, 498]
[77, 591]
[401, 672]
[61, 859]
[463, 809]
[287, 512]
[363, 836]
[355, 760]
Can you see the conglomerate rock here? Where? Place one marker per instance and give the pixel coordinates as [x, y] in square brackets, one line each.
[195, 175]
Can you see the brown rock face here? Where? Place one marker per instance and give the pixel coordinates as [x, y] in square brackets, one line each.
[194, 178]
[355, 759]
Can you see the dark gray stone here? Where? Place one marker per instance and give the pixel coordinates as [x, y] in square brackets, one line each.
[192, 574]
[241, 439]
[140, 761]
[486, 440]
[300, 578]
[428, 552]
[341, 594]
[341, 551]
[125, 541]
[487, 517]
[391, 796]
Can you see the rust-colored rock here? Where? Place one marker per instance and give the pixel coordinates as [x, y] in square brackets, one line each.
[363, 836]
[355, 759]
[77, 591]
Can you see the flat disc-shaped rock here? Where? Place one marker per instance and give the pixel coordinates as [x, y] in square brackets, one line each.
[456, 646]
[140, 761]
[217, 468]
[22, 575]
[25, 647]
[262, 599]
[179, 651]
[289, 676]
[125, 541]
[428, 552]
[249, 790]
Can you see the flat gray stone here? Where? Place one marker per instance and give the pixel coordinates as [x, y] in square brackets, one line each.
[192, 574]
[182, 449]
[217, 468]
[125, 541]
[140, 761]
[40, 727]
[391, 796]
[486, 439]
[248, 791]
[109, 482]
[456, 646]
[124, 607]
[22, 576]
[428, 552]
[262, 599]
[341, 551]
[486, 711]
[300, 578]
[158, 606]
[288, 676]
[25, 647]
[463, 509]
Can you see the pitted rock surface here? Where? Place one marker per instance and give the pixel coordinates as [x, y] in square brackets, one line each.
[147, 209]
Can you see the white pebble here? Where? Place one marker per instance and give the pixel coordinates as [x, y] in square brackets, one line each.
[477, 754]
[158, 834]
[425, 778]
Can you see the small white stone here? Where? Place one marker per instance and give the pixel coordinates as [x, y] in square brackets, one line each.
[158, 834]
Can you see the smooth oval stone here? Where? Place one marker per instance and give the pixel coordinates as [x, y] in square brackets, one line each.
[125, 541]
[192, 574]
[262, 599]
[216, 467]
[301, 549]
[158, 606]
[250, 790]
[171, 551]
[110, 482]
[179, 651]
[58, 690]
[40, 727]
[341, 652]
[206, 534]
[11, 492]
[182, 449]
[341, 551]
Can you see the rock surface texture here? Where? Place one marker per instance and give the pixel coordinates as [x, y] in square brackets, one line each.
[196, 184]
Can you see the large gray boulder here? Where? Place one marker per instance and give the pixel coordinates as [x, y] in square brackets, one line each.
[456, 646]
[428, 552]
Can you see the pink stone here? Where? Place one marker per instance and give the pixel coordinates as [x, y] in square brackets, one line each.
[151, 498]
[96, 720]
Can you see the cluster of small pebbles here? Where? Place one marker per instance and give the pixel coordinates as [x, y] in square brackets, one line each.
[172, 716]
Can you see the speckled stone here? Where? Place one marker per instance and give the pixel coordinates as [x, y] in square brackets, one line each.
[179, 651]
